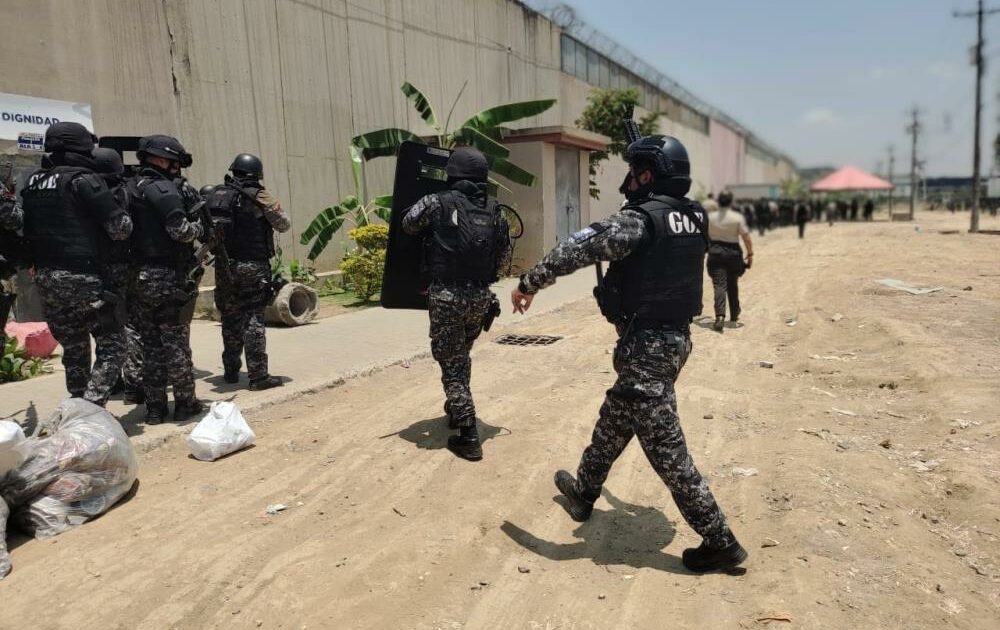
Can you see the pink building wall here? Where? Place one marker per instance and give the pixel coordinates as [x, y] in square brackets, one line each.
[728, 156]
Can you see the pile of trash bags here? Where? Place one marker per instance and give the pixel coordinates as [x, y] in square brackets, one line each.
[78, 470]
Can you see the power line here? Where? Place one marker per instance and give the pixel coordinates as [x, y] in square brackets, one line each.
[980, 14]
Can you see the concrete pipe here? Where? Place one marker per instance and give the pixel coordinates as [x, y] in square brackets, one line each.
[295, 304]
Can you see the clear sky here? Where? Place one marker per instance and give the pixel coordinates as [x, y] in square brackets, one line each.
[828, 82]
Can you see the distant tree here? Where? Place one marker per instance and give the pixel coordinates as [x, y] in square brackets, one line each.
[603, 115]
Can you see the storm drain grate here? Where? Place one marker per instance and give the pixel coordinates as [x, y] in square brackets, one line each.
[527, 340]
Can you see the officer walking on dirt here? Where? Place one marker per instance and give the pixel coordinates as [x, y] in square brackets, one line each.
[162, 290]
[725, 258]
[110, 167]
[70, 218]
[250, 215]
[467, 243]
[656, 246]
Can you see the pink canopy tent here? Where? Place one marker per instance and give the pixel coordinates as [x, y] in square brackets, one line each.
[850, 178]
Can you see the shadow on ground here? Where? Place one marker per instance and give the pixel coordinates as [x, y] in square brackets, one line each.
[627, 534]
[707, 323]
[432, 434]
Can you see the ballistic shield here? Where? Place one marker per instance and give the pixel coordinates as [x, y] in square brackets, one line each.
[420, 170]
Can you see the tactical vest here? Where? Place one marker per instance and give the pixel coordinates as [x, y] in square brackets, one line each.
[249, 235]
[59, 231]
[151, 244]
[464, 244]
[662, 282]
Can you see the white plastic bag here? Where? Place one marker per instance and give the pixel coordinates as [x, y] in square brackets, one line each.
[11, 434]
[222, 431]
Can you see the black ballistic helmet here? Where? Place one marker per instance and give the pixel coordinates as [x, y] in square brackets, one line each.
[69, 137]
[165, 147]
[206, 190]
[725, 199]
[245, 165]
[468, 163]
[664, 155]
[107, 161]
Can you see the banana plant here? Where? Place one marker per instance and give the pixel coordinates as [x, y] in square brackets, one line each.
[330, 220]
[483, 131]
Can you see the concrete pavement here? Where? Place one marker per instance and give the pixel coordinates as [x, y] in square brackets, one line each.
[309, 358]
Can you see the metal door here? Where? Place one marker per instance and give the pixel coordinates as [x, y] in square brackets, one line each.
[567, 192]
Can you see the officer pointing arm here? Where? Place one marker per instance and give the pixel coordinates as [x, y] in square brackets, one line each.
[609, 240]
[653, 289]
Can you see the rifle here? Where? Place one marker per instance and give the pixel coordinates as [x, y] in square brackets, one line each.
[213, 242]
[632, 134]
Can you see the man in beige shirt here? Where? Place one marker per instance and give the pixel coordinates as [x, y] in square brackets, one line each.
[726, 227]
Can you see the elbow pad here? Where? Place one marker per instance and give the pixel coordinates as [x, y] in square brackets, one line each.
[165, 200]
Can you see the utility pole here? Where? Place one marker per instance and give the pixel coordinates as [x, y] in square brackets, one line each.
[914, 129]
[979, 14]
[892, 163]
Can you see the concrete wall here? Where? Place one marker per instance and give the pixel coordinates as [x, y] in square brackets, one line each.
[294, 80]
[728, 156]
[290, 80]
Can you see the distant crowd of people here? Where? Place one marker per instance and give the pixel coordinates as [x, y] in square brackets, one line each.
[766, 214]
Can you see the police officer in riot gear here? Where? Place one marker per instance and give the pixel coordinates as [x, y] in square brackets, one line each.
[11, 222]
[250, 215]
[467, 243]
[656, 245]
[108, 164]
[70, 220]
[163, 286]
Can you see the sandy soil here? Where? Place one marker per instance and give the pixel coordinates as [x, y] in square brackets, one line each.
[873, 438]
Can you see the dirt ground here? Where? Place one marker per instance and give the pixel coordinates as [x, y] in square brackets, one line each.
[862, 472]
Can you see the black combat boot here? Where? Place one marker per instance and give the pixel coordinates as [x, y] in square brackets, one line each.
[185, 408]
[232, 376]
[466, 444]
[133, 396]
[580, 507]
[452, 420]
[267, 382]
[156, 413]
[720, 322]
[704, 558]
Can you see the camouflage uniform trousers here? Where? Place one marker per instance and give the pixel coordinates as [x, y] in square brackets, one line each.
[456, 313]
[241, 300]
[164, 325]
[118, 280]
[725, 266]
[69, 300]
[643, 403]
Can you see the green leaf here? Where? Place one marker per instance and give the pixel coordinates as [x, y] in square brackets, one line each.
[326, 218]
[495, 187]
[382, 201]
[350, 202]
[322, 240]
[384, 213]
[421, 104]
[513, 172]
[381, 143]
[508, 113]
[479, 140]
